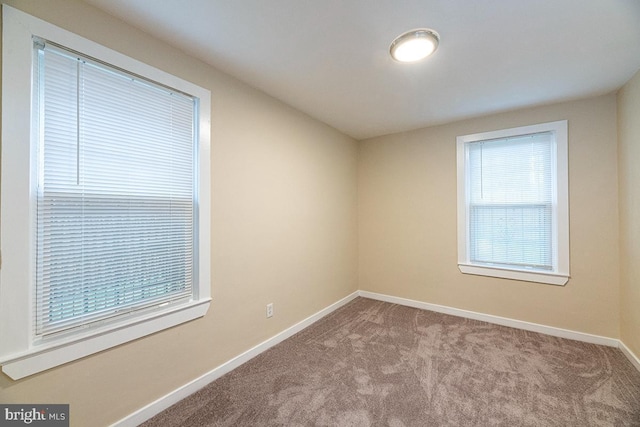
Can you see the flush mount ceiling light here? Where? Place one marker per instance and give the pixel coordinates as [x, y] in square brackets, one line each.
[414, 45]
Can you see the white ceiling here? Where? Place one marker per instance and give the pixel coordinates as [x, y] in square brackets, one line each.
[329, 58]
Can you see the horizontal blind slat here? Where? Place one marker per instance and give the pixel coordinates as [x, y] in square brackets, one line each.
[511, 201]
[116, 194]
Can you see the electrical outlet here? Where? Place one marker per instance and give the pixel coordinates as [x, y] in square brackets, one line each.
[270, 309]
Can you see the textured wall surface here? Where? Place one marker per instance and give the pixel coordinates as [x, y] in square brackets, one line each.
[629, 153]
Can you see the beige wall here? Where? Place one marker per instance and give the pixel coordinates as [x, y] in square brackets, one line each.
[407, 221]
[283, 231]
[629, 170]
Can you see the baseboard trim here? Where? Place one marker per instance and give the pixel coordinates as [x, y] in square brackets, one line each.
[180, 393]
[635, 361]
[504, 321]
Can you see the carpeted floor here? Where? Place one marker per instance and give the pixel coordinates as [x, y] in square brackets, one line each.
[372, 363]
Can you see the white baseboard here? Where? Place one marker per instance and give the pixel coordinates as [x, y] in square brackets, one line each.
[175, 396]
[630, 355]
[504, 321]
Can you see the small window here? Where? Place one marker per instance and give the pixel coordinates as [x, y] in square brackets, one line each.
[513, 203]
[105, 198]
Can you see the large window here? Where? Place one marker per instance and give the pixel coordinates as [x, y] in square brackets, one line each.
[115, 191]
[115, 232]
[513, 203]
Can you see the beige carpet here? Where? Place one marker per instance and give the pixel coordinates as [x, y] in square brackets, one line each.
[372, 363]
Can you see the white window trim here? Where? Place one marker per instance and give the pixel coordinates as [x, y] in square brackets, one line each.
[20, 354]
[560, 275]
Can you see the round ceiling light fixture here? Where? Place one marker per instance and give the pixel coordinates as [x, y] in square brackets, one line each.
[414, 45]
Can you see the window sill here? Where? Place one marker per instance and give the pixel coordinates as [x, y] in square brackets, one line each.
[525, 276]
[49, 355]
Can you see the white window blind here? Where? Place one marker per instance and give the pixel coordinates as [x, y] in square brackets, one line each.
[116, 192]
[510, 201]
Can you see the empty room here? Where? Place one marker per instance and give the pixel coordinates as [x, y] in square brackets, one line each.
[335, 213]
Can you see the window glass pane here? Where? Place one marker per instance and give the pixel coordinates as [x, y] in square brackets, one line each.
[513, 170]
[116, 193]
[511, 235]
[510, 201]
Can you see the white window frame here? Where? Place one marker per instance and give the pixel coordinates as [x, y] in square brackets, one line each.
[21, 354]
[559, 275]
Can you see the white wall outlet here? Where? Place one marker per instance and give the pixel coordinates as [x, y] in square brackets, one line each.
[270, 309]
